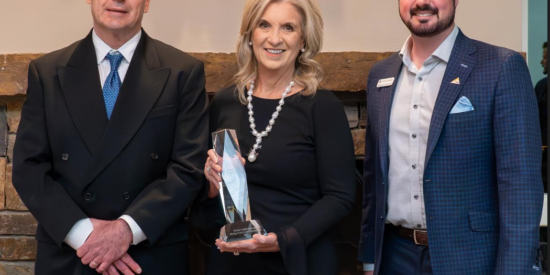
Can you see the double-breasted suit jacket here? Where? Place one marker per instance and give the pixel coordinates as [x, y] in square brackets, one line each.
[71, 162]
[482, 182]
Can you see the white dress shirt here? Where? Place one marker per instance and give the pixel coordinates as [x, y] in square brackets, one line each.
[83, 228]
[410, 117]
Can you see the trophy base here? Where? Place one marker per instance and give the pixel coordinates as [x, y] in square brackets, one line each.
[240, 231]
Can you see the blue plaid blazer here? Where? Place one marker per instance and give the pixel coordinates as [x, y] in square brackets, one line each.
[482, 181]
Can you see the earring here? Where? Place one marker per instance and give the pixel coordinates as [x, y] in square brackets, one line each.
[303, 50]
[250, 43]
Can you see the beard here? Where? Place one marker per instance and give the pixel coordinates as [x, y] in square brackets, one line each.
[425, 29]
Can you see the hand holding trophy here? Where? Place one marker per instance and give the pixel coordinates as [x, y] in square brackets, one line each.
[234, 189]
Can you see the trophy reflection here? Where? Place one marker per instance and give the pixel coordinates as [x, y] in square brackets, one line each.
[234, 189]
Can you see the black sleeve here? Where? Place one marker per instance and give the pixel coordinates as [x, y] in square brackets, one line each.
[46, 198]
[336, 174]
[206, 213]
[164, 201]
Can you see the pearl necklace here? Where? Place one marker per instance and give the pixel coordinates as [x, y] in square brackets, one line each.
[253, 155]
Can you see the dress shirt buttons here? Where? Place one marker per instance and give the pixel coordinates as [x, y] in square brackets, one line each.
[414, 135]
[416, 197]
[418, 226]
[414, 166]
[420, 78]
[154, 156]
[88, 196]
[415, 106]
[65, 157]
[126, 196]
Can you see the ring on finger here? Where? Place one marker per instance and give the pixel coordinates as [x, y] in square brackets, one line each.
[236, 253]
[208, 169]
[93, 265]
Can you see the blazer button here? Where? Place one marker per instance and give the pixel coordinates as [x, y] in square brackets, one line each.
[126, 196]
[65, 157]
[154, 156]
[88, 196]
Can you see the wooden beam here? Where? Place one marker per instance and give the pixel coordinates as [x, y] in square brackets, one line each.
[344, 71]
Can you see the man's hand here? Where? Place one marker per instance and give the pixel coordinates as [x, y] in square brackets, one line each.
[108, 242]
[126, 265]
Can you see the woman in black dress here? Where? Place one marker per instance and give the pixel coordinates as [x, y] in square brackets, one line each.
[296, 141]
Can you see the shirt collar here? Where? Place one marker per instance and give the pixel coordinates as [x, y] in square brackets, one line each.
[127, 50]
[442, 52]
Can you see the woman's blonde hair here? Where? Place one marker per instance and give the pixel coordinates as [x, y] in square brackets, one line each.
[308, 73]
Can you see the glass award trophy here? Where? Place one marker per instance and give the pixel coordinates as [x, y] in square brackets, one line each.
[234, 189]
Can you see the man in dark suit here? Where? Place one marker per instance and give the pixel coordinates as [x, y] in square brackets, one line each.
[452, 155]
[109, 151]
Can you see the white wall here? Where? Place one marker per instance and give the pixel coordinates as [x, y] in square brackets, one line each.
[33, 26]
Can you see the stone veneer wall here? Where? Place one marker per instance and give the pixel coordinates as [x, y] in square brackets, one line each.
[344, 72]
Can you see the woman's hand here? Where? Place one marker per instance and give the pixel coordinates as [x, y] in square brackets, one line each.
[258, 243]
[212, 172]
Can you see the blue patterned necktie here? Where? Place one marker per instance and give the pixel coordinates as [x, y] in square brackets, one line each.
[112, 84]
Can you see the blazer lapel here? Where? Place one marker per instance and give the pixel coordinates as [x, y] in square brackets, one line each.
[142, 86]
[386, 99]
[80, 85]
[460, 65]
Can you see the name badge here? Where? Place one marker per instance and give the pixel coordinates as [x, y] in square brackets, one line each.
[385, 82]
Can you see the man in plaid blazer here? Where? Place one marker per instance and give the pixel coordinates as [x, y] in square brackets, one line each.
[452, 155]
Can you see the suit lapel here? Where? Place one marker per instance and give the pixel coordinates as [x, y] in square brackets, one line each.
[386, 98]
[142, 86]
[81, 88]
[460, 65]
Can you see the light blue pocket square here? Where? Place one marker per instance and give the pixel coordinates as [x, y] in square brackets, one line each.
[462, 105]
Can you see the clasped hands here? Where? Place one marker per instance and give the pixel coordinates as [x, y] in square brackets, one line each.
[106, 248]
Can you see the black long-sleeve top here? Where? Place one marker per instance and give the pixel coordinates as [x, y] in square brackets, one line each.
[302, 183]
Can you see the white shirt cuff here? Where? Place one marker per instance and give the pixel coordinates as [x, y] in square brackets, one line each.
[368, 267]
[138, 235]
[79, 233]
